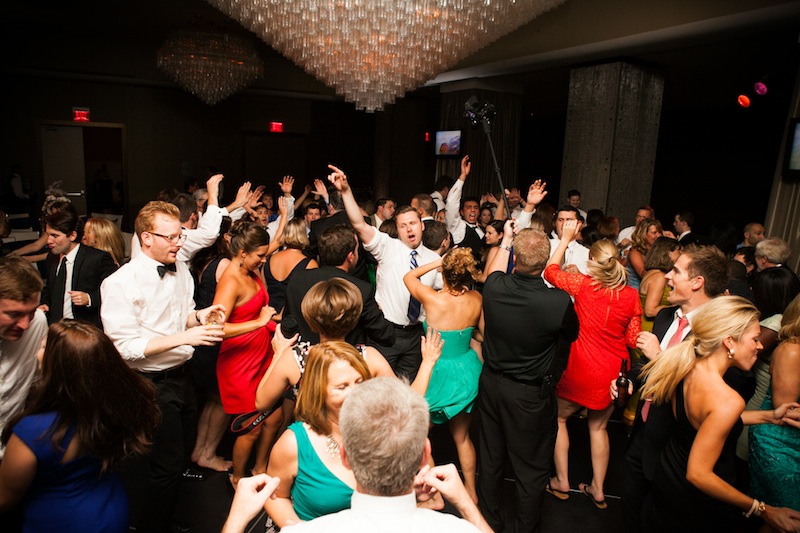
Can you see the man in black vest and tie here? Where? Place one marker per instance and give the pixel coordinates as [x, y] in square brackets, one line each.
[462, 217]
[74, 271]
[698, 275]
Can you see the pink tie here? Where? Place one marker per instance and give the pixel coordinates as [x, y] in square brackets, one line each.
[675, 339]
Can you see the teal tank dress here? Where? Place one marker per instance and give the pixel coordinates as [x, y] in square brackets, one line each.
[454, 381]
[775, 462]
[316, 491]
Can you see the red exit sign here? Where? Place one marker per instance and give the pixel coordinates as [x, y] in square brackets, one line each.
[276, 127]
[81, 114]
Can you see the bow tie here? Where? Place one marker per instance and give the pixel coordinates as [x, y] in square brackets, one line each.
[162, 269]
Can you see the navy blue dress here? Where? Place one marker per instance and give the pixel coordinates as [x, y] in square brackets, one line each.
[69, 497]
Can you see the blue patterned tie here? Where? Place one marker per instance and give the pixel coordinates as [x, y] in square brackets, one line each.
[413, 303]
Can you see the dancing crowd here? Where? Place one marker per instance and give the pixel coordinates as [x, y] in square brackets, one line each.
[329, 335]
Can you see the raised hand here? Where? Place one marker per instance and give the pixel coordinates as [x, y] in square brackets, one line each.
[536, 192]
[242, 195]
[254, 200]
[320, 189]
[569, 230]
[338, 179]
[466, 166]
[286, 185]
[283, 206]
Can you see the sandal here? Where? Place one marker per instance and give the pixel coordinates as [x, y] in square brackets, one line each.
[561, 495]
[601, 504]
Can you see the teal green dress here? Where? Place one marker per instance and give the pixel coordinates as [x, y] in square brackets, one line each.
[454, 381]
[316, 490]
[775, 462]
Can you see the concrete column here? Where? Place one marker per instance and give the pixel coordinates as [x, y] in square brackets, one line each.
[611, 137]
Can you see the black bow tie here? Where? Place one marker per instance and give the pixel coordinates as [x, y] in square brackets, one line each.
[162, 269]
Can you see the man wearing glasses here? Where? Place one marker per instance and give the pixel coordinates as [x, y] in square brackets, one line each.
[148, 312]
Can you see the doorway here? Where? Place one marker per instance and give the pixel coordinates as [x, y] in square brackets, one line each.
[89, 161]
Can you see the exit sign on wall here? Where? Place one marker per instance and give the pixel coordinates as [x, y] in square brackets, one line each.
[80, 114]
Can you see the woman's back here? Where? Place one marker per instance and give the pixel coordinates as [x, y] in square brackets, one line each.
[279, 270]
[453, 311]
[71, 495]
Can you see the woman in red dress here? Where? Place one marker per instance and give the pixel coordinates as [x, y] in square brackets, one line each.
[609, 313]
[245, 352]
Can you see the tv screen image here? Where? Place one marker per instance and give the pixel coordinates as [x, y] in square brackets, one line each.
[448, 142]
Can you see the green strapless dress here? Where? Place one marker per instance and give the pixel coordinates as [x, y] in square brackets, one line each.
[454, 382]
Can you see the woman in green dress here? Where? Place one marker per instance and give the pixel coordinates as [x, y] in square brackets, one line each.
[454, 311]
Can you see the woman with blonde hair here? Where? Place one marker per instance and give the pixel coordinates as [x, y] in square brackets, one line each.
[313, 481]
[642, 238]
[281, 266]
[454, 312]
[775, 449]
[692, 488]
[104, 235]
[610, 314]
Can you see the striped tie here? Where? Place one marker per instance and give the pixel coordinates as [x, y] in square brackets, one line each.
[413, 303]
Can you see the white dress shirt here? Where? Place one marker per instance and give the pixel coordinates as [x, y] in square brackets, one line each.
[456, 224]
[18, 369]
[674, 326]
[438, 200]
[575, 254]
[625, 233]
[138, 305]
[67, 310]
[394, 262]
[388, 514]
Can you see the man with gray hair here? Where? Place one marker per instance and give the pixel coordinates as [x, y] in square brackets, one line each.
[772, 252]
[384, 426]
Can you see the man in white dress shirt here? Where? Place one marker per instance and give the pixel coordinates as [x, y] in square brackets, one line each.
[22, 328]
[576, 255]
[395, 258]
[384, 427]
[462, 216]
[148, 312]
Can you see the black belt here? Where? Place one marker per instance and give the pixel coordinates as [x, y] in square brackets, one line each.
[161, 375]
[511, 377]
[409, 326]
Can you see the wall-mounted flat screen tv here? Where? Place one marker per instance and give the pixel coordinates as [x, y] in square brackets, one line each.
[448, 143]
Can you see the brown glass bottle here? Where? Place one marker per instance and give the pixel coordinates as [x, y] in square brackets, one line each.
[622, 385]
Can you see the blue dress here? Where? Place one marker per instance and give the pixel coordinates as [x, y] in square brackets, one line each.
[69, 497]
[453, 385]
[775, 462]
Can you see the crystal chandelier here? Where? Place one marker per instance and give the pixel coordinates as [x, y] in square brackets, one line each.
[210, 65]
[372, 51]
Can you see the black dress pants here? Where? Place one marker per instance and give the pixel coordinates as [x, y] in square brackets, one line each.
[153, 480]
[515, 420]
[405, 355]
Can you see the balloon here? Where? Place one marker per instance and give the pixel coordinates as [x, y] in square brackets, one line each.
[760, 88]
[744, 101]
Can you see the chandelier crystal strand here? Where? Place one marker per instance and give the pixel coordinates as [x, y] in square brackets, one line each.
[210, 65]
[373, 51]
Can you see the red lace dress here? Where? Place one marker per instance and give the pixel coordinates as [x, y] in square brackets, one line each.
[244, 359]
[609, 320]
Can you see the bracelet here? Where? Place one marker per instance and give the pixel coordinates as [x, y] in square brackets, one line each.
[756, 508]
[504, 247]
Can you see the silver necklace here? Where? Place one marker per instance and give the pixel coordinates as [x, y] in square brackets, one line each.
[333, 446]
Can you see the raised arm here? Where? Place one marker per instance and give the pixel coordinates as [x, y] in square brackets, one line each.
[365, 232]
[500, 261]
[418, 290]
[536, 194]
[281, 374]
[452, 205]
[568, 231]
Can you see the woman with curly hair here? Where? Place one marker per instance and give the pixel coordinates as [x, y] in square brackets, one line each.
[88, 412]
[455, 312]
[643, 237]
[610, 317]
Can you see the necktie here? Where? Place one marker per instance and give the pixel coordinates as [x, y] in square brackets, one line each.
[413, 303]
[59, 287]
[162, 269]
[675, 339]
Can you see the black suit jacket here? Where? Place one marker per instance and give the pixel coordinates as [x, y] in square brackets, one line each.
[339, 218]
[372, 323]
[648, 440]
[91, 267]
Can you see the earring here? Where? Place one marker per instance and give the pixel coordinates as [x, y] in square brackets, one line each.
[730, 353]
[241, 263]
